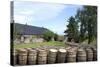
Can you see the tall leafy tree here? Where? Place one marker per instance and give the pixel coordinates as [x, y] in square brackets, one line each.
[48, 35]
[81, 17]
[72, 29]
[87, 17]
[56, 36]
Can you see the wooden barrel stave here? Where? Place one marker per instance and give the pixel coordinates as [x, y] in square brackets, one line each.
[89, 54]
[61, 56]
[52, 56]
[22, 57]
[71, 56]
[81, 55]
[32, 56]
[42, 56]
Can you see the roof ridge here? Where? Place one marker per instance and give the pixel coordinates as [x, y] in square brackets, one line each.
[29, 29]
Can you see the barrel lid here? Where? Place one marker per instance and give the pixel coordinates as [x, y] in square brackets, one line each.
[28, 48]
[31, 50]
[62, 50]
[53, 50]
[22, 50]
[89, 50]
[94, 48]
[41, 50]
[80, 49]
[68, 48]
[71, 50]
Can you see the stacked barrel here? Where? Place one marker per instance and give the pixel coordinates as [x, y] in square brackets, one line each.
[14, 57]
[42, 56]
[81, 55]
[29, 56]
[71, 56]
[89, 54]
[52, 56]
[32, 56]
[22, 57]
[61, 55]
[94, 54]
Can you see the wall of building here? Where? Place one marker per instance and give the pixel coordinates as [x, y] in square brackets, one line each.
[29, 39]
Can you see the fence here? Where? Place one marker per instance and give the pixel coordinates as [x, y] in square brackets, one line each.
[35, 56]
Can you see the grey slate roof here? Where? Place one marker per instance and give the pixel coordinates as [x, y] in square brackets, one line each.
[28, 29]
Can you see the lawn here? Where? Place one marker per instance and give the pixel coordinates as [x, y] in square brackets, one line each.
[33, 45]
[93, 43]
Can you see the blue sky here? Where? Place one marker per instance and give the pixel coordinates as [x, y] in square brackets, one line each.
[48, 15]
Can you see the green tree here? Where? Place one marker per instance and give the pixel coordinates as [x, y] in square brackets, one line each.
[81, 17]
[87, 17]
[48, 35]
[91, 12]
[72, 29]
[55, 37]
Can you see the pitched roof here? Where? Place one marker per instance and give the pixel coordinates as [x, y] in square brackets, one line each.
[28, 29]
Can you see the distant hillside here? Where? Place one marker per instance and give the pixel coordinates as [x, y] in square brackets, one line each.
[28, 29]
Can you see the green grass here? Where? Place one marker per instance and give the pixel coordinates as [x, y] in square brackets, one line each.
[34, 45]
[93, 43]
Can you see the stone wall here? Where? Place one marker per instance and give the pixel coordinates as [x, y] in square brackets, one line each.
[28, 39]
[37, 40]
[17, 41]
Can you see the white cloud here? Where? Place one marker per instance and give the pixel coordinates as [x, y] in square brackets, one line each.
[22, 19]
[34, 12]
[19, 19]
[37, 11]
[28, 12]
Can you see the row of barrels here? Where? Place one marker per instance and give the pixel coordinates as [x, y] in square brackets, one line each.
[29, 56]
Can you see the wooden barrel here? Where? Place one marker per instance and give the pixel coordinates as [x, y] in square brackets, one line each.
[74, 49]
[27, 49]
[22, 57]
[68, 48]
[89, 54]
[81, 55]
[14, 57]
[52, 56]
[32, 56]
[42, 56]
[71, 56]
[61, 56]
[94, 54]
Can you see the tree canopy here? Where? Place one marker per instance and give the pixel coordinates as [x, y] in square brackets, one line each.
[72, 29]
[86, 18]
